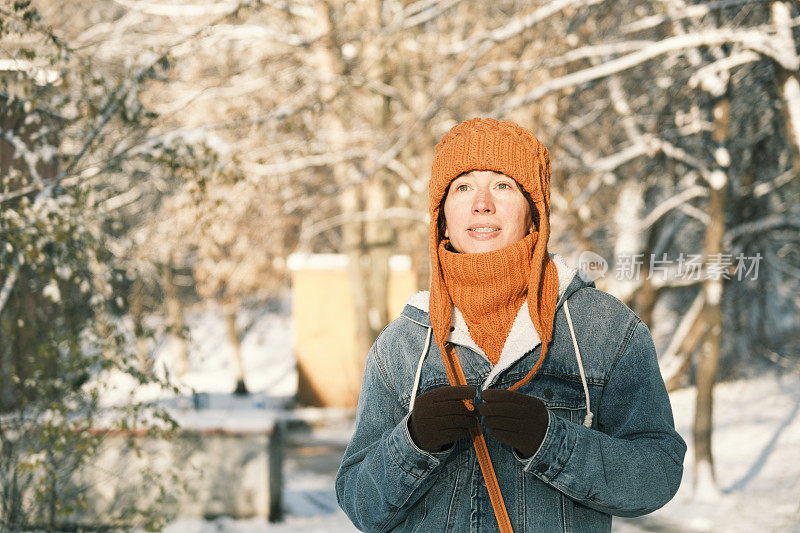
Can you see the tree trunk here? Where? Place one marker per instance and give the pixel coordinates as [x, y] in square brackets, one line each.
[350, 203]
[231, 310]
[788, 81]
[353, 241]
[6, 371]
[175, 320]
[705, 479]
[380, 237]
[680, 358]
[420, 234]
[137, 315]
[378, 234]
[645, 297]
[629, 243]
[52, 486]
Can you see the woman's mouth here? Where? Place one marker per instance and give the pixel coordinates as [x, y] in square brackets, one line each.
[484, 232]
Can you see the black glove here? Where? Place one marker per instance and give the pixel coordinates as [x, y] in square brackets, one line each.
[440, 417]
[515, 419]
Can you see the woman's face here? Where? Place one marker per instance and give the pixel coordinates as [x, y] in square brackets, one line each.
[485, 211]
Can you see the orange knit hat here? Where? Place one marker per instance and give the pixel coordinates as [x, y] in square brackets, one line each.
[487, 144]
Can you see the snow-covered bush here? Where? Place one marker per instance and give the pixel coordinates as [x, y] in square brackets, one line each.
[62, 287]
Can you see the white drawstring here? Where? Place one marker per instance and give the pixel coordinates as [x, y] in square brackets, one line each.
[587, 421]
[419, 371]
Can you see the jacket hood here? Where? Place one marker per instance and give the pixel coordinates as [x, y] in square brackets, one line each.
[522, 337]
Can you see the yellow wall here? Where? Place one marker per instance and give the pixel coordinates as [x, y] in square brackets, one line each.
[324, 322]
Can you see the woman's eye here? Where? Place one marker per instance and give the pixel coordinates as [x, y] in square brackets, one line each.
[504, 185]
[462, 187]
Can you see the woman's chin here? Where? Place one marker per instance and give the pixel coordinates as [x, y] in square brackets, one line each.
[483, 246]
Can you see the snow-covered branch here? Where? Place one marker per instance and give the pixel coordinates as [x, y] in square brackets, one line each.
[754, 39]
[722, 66]
[671, 203]
[8, 284]
[412, 180]
[782, 179]
[238, 86]
[22, 191]
[256, 34]
[696, 213]
[619, 100]
[38, 73]
[180, 10]
[419, 13]
[363, 216]
[679, 154]
[791, 97]
[21, 151]
[645, 145]
[293, 165]
[615, 160]
[516, 26]
[120, 200]
[791, 220]
[693, 11]
[409, 131]
[415, 8]
[578, 54]
[280, 113]
[778, 262]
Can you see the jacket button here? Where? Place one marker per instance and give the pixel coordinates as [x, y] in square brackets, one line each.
[422, 465]
[541, 468]
[548, 394]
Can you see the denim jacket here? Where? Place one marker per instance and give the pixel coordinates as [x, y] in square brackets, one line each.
[628, 462]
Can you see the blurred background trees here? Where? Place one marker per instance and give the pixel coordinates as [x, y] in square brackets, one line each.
[155, 154]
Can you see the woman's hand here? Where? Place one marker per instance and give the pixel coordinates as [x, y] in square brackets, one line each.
[440, 417]
[515, 419]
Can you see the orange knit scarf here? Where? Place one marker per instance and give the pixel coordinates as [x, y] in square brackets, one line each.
[489, 288]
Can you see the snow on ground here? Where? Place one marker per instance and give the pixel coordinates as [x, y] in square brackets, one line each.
[267, 357]
[756, 439]
[756, 447]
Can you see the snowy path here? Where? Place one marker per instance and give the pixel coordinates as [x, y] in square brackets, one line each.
[756, 446]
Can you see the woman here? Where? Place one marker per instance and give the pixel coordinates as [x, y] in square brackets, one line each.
[539, 406]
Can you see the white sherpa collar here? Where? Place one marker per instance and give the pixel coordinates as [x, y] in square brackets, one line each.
[521, 339]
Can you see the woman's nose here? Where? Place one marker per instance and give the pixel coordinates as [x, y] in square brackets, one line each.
[483, 203]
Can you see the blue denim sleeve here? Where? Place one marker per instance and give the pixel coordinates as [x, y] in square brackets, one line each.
[383, 473]
[632, 463]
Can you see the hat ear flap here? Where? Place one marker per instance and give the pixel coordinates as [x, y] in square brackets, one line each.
[440, 304]
[544, 174]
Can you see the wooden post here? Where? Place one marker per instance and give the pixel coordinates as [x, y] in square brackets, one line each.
[174, 308]
[275, 451]
[231, 309]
